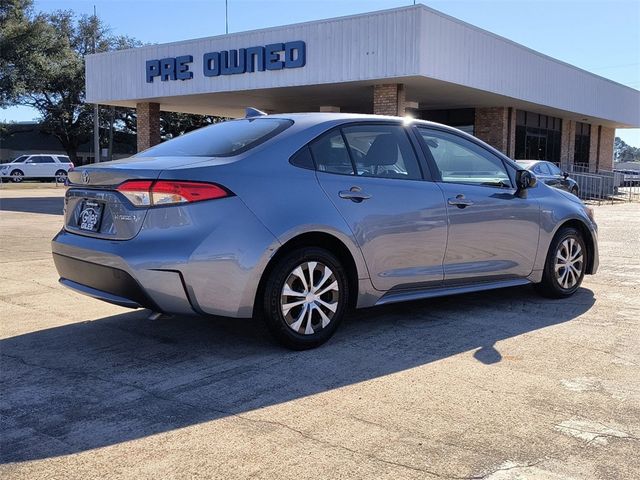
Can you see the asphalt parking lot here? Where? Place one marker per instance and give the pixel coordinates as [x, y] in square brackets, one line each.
[499, 385]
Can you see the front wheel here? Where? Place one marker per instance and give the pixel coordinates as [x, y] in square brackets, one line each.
[305, 298]
[565, 265]
[16, 176]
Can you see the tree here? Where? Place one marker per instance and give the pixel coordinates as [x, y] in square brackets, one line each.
[172, 124]
[42, 66]
[625, 153]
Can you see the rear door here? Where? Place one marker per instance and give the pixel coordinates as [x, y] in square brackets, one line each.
[493, 229]
[373, 176]
[43, 166]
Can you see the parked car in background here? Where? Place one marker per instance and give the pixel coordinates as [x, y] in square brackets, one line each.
[630, 177]
[549, 173]
[296, 218]
[37, 167]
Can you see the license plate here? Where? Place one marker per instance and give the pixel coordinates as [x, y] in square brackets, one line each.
[90, 216]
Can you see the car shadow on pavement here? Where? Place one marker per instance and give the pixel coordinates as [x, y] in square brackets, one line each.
[96, 383]
[47, 205]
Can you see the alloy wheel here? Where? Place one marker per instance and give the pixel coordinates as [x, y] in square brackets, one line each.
[309, 298]
[569, 263]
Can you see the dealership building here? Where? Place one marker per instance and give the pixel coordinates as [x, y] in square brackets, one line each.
[411, 61]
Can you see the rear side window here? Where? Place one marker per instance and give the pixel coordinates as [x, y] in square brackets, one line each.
[382, 151]
[303, 159]
[222, 139]
[63, 159]
[42, 160]
[331, 155]
[541, 169]
[370, 151]
[554, 169]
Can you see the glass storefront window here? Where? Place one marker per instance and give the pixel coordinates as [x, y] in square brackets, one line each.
[582, 141]
[537, 136]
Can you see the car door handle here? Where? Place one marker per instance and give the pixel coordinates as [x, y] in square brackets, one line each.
[354, 194]
[459, 201]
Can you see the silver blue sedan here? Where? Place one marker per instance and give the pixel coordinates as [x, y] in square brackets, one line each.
[298, 218]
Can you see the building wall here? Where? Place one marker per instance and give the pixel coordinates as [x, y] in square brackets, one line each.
[388, 99]
[409, 42]
[497, 127]
[567, 143]
[605, 159]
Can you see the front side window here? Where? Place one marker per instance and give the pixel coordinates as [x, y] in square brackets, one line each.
[461, 161]
[382, 151]
[20, 159]
[220, 140]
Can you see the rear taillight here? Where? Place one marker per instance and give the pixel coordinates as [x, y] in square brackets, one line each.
[146, 193]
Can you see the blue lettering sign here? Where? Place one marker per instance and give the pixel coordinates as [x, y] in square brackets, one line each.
[182, 67]
[153, 69]
[211, 64]
[275, 56]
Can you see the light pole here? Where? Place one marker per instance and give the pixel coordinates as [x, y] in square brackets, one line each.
[96, 110]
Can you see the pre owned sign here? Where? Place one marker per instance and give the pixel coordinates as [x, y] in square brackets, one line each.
[274, 56]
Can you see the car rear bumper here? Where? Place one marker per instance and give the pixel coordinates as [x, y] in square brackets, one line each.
[102, 282]
[210, 262]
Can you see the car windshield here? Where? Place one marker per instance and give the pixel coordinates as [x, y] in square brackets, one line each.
[222, 139]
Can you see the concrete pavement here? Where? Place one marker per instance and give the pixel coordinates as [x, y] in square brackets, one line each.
[498, 385]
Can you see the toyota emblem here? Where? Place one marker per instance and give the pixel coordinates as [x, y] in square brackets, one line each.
[85, 177]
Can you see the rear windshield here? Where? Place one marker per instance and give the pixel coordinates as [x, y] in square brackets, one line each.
[222, 139]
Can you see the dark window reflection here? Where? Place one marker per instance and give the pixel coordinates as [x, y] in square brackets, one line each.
[537, 136]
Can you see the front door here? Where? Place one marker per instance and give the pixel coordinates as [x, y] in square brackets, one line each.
[372, 175]
[493, 231]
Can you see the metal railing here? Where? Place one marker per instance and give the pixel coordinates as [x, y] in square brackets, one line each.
[8, 179]
[605, 185]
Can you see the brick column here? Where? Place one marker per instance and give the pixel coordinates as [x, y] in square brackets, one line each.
[388, 99]
[594, 145]
[148, 124]
[497, 127]
[567, 143]
[604, 159]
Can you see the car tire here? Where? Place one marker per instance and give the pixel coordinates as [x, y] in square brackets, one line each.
[575, 191]
[565, 265]
[60, 176]
[17, 176]
[303, 314]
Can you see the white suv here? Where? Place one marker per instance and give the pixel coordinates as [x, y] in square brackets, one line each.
[40, 166]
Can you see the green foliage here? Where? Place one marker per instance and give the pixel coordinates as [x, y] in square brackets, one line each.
[42, 66]
[625, 153]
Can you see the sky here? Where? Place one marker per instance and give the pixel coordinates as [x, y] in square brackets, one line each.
[602, 37]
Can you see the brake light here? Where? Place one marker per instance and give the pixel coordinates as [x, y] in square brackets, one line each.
[137, 191]
[167, 192]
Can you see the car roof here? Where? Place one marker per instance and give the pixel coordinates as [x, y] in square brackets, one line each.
[323, 117]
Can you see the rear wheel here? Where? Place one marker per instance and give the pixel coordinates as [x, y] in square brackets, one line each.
[16, 176]
[61, 176]
[305, 298]
[565, 265]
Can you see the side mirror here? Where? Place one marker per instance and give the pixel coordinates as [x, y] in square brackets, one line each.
[525, 179]
[565, 175]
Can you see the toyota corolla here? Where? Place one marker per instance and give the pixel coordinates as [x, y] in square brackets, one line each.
[297, 218]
